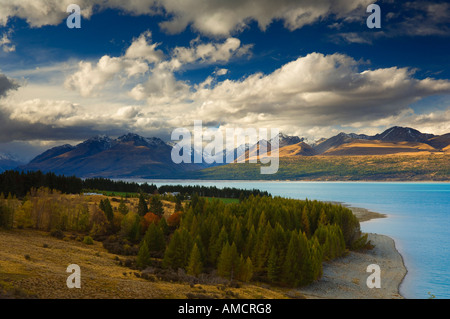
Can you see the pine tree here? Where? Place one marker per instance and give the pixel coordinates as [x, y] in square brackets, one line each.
[143, 258]
[155, 240]
[156, 206]
[264, 248]
[178, 251]
[123, 209]
[245, 269]
[323, 219]
[273, 266]
[135, 232]
[216, 246]
[178, 204]
[291, 266]
[228, 263]
[142, 206]
[105, 206]
[195, 265]
[163, 226]
[305, 222]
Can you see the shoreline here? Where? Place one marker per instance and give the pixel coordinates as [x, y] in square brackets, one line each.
[345, 277]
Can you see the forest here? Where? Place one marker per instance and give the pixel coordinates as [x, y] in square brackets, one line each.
[19, 184]
[275, 240]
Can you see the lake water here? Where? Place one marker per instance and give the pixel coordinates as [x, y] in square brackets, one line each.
[418, 220]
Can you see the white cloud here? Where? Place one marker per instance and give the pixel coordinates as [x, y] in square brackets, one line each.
[210, 17]
[42, 111]
[90, 78]
[210, 53]
[315, 90]
[142, 48]
[222, 18]
[142, 57]
[221, 72]
[39, 13]
[6, 44]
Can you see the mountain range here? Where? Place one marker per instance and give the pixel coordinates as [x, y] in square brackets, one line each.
[134, 156]
[8, 161]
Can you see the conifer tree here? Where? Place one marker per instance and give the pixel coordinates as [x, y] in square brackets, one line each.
[143, 258]
[142, 205]
[228, 263]
[123, 209]
[156, 206]
[245, 269]
[216, 246]
[195, 265]
[163, 226]
[305, 222]
[290, 274]
[264, 248]
[105, 206]
[155, 240]
[273, 266]
[178, 251]
[178, 204]
[323, 219]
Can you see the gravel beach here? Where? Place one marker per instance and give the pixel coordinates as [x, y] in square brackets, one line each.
[345, 278]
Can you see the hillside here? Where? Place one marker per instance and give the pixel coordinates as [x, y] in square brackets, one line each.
[432, 167]
[44, 275]
[101, 156]
[8, 162]
[134, 156]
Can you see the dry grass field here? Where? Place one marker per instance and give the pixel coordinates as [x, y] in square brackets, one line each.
[33, 265]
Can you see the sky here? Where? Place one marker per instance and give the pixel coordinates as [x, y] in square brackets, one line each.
[309, 68]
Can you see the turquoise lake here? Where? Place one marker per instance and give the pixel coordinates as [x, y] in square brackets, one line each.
[418, 220]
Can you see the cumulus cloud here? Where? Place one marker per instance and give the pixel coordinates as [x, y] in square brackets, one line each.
[42, 111]
[6, 44]
[39, 13]
[143, 48]
[216, 17]
[142, 57]
[209, 53]
[314, 90]
[7, 84]
[92, 77]
[311, 92]
[222, 18]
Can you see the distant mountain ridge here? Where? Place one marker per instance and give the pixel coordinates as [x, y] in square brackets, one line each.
[9, 161]
[134, 156]
[129, 155]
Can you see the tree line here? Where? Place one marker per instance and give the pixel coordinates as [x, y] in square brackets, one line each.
[19, 184]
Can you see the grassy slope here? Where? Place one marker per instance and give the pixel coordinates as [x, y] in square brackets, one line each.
[392, 168]
[44, 274]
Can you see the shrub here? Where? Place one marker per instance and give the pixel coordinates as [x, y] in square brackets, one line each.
[88, 240]
[57, 233]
